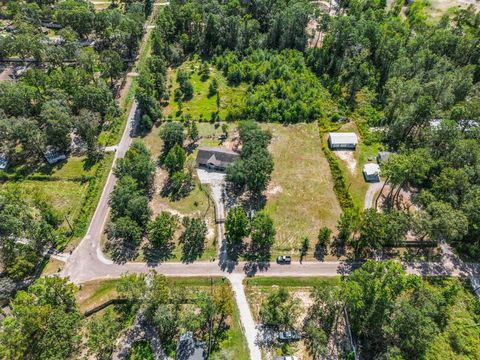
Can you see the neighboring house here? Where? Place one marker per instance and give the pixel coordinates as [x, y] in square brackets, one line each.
[371, 172]
[342, 140]
[383, 156]
[3, 161]
[215, 158]
[54, 156]
[189, 348]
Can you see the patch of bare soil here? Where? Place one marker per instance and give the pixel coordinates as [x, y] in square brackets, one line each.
[232, 142]
[349, 158]
[273, 190]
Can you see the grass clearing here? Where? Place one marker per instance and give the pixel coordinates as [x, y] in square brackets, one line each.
[201, 106]
[300, 197]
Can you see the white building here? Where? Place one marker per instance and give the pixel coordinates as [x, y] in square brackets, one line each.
[371, 172]
[342, 140]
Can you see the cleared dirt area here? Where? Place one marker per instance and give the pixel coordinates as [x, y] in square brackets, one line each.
[300, 197]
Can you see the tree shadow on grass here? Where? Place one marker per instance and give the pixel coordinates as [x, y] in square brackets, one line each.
[192, 252]
[121, 252]
[155, 255]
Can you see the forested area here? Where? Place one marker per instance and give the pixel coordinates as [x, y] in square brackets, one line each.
[46, 322]
[67, 59]
[68, 90]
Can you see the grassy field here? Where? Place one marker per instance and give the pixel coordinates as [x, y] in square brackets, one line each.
[258, 289]
[198, 202]
[94, 293]
[300, 197]
[201, 106]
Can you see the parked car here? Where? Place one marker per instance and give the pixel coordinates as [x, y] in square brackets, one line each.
[284, 259]
[288, 336]
[289, 357]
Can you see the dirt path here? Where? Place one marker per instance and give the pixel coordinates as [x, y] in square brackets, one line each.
[373, 189]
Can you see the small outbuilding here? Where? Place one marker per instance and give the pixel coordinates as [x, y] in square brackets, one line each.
[383, 156]
[215, 158]
[54, 156]
[343, 140]
[371, 172]
[3, 161]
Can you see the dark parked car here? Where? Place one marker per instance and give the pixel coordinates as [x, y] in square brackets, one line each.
[284, 259]
[288, 336]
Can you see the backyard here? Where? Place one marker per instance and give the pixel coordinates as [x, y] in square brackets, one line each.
[300, 196]
[258, 289]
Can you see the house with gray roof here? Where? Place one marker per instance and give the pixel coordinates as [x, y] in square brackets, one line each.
[215, 158]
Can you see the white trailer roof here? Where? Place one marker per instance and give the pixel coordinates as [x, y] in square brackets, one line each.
[371, 169]
[343, 138]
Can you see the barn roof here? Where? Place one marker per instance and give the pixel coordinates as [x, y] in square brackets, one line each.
[343, 138]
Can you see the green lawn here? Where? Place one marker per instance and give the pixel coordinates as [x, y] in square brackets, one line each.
[72, 187]
[300, 196]
[201, 107]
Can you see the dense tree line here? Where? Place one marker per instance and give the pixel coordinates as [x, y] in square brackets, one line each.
[418, 80]
[393, 315]
[254, 167]
[44, 323]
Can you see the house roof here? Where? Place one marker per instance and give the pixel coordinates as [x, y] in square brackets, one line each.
[189, 348]
[343, 138]
[217, 156]
[371, 169]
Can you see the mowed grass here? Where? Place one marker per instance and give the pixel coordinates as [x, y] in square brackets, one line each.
[201, 106]
[95, 293]
[300, 196]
